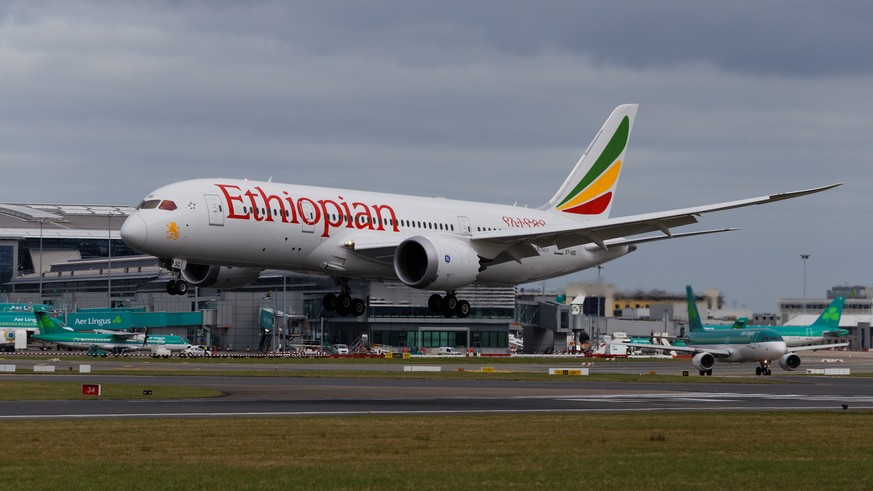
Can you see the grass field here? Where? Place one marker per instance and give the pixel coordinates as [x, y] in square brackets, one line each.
[45, 391]
[579, 451]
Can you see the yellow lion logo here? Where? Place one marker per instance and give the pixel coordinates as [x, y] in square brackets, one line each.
[172, 231]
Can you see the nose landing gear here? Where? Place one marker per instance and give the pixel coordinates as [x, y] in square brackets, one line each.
[177, 287]
[764, 369]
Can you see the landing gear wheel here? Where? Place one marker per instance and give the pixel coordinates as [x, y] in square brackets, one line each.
[435, 302]
[758, 370]
[329, 302]
[343, 304]
[767, 372]
[462, 310]
[450, 303]
[358, 307]
[702, 373]
[171, 287]
[709, 372]
[181, 287]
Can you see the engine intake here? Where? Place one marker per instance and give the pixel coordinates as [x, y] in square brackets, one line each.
[206, 276]
[703, 361]
[789, 361]
[436, 262]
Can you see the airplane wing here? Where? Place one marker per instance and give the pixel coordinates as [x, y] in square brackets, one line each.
[718, 353]
[813, 347]
[599, 232]
[117, 334]
[610, 232]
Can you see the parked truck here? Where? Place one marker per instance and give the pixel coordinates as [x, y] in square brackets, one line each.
[13, 339]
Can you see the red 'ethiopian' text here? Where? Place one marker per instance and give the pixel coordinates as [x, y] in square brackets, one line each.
[262, 207]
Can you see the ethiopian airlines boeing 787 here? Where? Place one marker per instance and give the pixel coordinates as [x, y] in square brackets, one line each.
[222, 233]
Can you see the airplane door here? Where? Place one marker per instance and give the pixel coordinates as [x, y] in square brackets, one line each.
[213, 205]
[307, 221]
[464, 222]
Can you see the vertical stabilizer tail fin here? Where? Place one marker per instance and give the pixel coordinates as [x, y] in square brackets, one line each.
[694, 322]
[48, 324]
[831, 315]
[589, 191]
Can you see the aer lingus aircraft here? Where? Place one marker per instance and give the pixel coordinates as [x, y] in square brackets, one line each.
[760, 345]
[52, 330]
[222, 233]
[826, 329]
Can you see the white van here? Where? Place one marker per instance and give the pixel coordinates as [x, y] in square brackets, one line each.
[449, 351]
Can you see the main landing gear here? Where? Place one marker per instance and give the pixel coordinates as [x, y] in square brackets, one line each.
[449, 305]
[764, 369]
[706, 372]
[344, 304]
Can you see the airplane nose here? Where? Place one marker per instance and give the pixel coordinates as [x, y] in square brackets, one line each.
[134, 232]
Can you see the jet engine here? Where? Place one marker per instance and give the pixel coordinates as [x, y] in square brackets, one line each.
[436, 262]
[703, 361]
[206, 276]
[789, 361]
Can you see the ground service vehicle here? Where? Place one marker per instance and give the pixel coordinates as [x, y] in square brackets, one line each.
[13, 339]
[195, 351]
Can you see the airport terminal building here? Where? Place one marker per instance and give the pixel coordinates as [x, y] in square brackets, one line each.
[72, 258]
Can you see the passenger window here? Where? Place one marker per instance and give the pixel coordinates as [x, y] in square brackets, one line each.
[167, 205]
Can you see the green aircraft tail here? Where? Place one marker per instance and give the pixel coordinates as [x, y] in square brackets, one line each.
[831, 316]
[48, 324]
[694, 323]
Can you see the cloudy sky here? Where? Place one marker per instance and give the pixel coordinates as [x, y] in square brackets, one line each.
[101, 102]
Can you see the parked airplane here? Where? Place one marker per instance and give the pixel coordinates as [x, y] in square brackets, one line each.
[52, 330]
[222, 233]
[824, 330]
[752, 344]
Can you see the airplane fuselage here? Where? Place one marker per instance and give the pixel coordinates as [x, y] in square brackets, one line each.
[249, 224]
[107, 342]
[796, 335]
[749, 346]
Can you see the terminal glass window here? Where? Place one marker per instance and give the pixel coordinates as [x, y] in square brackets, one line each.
[7, 263]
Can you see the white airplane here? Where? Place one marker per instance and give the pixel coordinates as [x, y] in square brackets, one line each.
[222, 233]
[751, 344]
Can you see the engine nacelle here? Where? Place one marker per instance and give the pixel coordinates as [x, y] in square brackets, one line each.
[436, 262]
[789, 361]
[206, 276]
[703, 361]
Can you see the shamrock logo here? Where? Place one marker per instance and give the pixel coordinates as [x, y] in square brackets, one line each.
[831, 314]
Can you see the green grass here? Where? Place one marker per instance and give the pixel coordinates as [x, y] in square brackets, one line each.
[38, 391]
[580, 451]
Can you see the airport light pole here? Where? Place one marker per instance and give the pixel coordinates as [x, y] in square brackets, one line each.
[109, 252]
[41, 223]
[804, 257]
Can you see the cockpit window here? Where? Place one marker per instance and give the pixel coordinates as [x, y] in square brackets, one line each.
[167, 205]
[148, 204]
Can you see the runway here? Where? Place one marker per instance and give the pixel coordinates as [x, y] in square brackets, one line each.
[259, 397]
